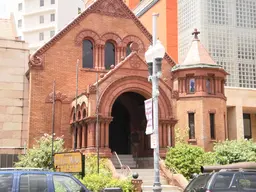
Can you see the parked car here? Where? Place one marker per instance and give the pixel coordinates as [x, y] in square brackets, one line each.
[226, 180]
[38, 180]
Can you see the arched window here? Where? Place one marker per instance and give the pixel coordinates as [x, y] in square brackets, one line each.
[191, 85]
[128, 49]
[87, 54]
[109, 54]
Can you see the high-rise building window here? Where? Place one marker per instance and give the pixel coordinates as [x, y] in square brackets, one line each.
[19, 23]
[212, 125]
[41, 3]
[41, 19]
[19, 6]
[52, 1]
[41, 36]
[191, 125]
[52, 17]
[247, 126]
[52, 33]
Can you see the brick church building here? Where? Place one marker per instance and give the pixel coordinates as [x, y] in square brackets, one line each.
[107, 40]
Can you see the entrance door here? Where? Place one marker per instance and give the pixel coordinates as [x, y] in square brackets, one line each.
[127, 130]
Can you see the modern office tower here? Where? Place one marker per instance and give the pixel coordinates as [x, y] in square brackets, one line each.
[228, 31]
[39, 20]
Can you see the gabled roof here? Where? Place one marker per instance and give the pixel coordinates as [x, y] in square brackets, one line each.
[197, 56]
[98, 7]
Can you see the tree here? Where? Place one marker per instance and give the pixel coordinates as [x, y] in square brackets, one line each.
[40, 156]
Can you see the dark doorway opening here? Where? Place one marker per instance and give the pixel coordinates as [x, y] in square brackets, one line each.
[127, 130]
[119, 131]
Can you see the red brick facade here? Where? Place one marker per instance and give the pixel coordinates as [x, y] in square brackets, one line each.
[124, 85]
[56, 60]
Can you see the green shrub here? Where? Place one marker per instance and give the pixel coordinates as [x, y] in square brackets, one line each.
[91, 165]
[209, 158]
[97, 182]
[186, 159]
[235, 151]
[40, 156]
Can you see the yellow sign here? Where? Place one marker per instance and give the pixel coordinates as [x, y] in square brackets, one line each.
[68, 162]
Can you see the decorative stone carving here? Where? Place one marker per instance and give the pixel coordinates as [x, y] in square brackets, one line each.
[87, 34]
[135, 62]
[111, 36]
[58, 97]
[92, 89]
[138, 45]
[175, 94]
[111, 8]
[36, 61]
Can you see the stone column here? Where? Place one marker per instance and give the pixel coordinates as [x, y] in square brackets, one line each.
[160, 135]
[79, 134]
[84, 135]
[239, 122]
[96, 56]
[102, 134]
[91, 134]
[169, 135]
[103, 57]
[106, 134]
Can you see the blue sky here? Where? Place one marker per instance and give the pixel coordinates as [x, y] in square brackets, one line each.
[4, 9]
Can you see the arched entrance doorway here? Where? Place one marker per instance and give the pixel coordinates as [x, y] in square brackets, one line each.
[127, 129]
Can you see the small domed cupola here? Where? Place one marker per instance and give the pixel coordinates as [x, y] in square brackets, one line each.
[198, 74]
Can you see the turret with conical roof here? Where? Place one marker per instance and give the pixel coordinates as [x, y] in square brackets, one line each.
[201, 103]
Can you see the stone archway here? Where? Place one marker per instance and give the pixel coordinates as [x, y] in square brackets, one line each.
[141, 86]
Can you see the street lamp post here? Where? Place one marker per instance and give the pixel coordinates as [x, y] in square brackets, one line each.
[154, 56]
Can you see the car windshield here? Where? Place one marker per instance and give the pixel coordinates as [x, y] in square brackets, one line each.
[6, 182]
[197, 183]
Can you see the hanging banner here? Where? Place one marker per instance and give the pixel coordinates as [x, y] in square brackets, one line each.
[149, 115]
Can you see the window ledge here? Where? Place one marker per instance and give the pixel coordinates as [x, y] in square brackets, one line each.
[192, 141]
[94, 70]
[213, 140]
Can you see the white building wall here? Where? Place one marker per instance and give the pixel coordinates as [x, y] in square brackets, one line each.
[228, 31]
[13, 95]
[67, 11]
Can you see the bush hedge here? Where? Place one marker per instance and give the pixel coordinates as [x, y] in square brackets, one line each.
[187, 159]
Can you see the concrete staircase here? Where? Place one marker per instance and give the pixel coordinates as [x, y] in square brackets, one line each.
[125, 160]
[146, 172]
[147, 176]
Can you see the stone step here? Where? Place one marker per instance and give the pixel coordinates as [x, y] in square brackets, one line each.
[165, 188]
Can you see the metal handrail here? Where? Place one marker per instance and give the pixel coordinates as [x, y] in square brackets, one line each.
[119, 161]
[125, 168]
